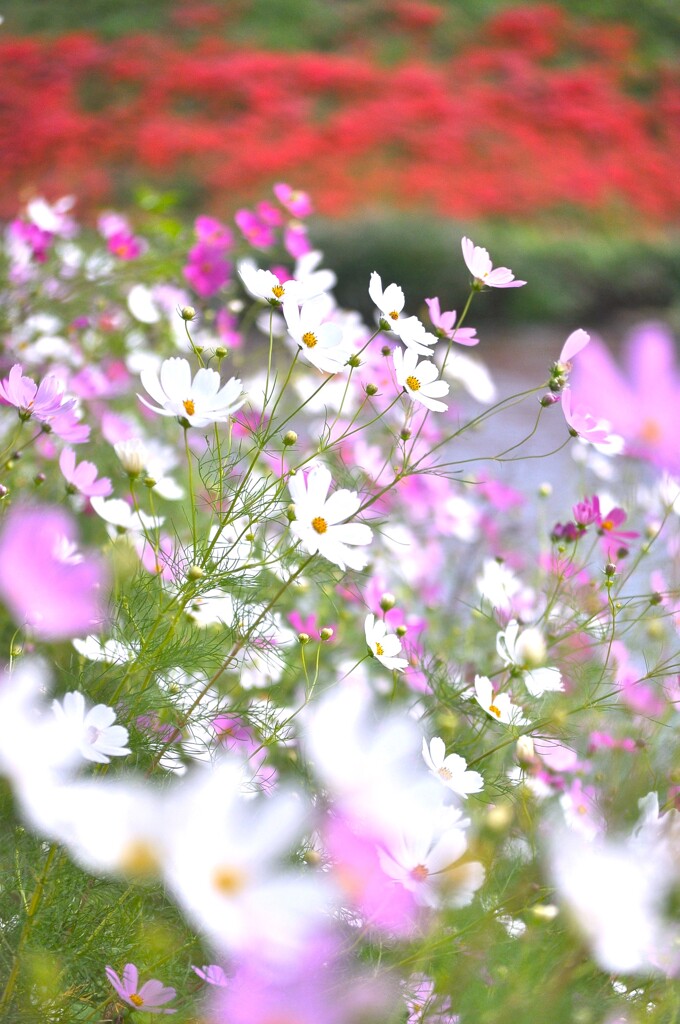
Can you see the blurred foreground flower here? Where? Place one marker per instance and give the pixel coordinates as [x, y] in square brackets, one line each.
[46, 583]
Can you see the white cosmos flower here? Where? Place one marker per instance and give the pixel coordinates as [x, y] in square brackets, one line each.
[383, 645]
[422, 854]
[120, 515]
[200, 402]
[451, 769]
[390, 302]
[526, 651]
[320, 340]
[480, 266]
[320, 521]
[420, 379]
[92, 731]
[498, 705]
[263, 284]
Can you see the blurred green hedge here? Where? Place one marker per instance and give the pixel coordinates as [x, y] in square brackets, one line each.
[573, 278]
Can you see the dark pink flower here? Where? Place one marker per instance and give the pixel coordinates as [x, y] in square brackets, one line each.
[45, 582]
[213, 232]
[150, 997]
[587, 511]
[207, 269]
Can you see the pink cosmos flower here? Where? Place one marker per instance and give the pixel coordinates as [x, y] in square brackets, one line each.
[207, 269]
[31, 399]
[445, 323]
[480, 266]
[83, 478]
[212, 974]
[584, 425]
[259, 234]
[296, 202]
[587, 511]
[44, 582]
[150, 997]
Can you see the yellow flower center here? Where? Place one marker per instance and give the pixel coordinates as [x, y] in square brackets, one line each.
[379, 649]
[393, 315]
[228, 881]
[319, 524]
[413, 383]
[140, 858]
[651, 432]
[189, 406]
[494, 710]
[278, 290]
[137, 1000]
[419, 873]
[446, 774]
[310, 339]
[607, 524]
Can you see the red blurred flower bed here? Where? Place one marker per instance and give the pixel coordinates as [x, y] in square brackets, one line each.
[539, 114]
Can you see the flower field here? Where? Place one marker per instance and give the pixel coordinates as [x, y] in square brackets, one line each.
[307, 714]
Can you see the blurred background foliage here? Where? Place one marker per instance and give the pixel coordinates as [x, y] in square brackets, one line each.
[548, 133]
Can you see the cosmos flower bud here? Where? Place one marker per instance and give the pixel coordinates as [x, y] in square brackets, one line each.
[187, 313]
[221, 352]
[132, 455]
[303, 638]
[326, 633]
[387, 602]
[371, 389]
[354, 361]
[195, 573]
[289, 438]
[401, 630]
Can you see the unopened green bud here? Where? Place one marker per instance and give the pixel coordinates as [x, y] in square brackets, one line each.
[221, 352]
[187, 313]
[289, 438]
[195, 573]
[386, 350]
[545, 490]
[371, 389]
[401, 631]
[303, 638]
[387, 602]
[354, 361]
[326, 633]
[405, 434]
[4, 491]
[290, 512]
[149, 482]
[610, 569]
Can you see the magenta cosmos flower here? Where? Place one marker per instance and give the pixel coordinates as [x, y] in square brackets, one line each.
[44, 581]
[150, 997]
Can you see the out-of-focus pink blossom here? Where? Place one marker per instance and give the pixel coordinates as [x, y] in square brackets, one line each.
[640, 401]
[296, 202]
[583, 424]
[45, 583]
